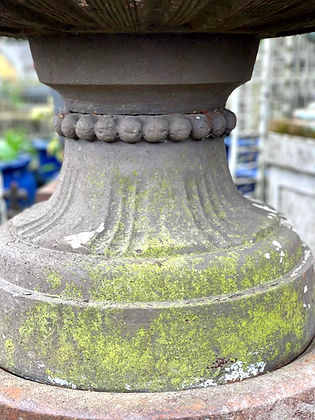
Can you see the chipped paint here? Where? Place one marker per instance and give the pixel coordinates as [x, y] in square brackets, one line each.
[61, 382]
[306, 256]
[265, 207]
[238, 371]
[276, 244]
[203, 384]
[78, 239]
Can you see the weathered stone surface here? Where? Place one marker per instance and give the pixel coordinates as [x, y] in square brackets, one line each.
[287, 393]
[147, 270]
[158, 284]
[153, 129]
[144, 75]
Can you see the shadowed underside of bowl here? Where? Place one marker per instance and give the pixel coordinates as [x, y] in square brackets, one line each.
[269, 18]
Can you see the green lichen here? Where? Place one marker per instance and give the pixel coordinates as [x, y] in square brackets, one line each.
[71, 291]
[162, 214]
[54, 280]
[170, 349]
[161, 246]
[9, 352]
[164, 279]
[259, 270]
[45, 321]
[186, 277]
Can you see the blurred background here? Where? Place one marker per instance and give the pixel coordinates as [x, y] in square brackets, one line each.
[271, 152]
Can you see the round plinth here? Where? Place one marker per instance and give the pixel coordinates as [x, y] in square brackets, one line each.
[288, 393]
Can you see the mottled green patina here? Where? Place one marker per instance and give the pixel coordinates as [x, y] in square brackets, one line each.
[184, 277]
[176, 348]
[173, 280]
[9, 352]
[54, 280]
[176, 278]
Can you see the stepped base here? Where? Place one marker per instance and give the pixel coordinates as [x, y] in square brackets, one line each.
[288, 392]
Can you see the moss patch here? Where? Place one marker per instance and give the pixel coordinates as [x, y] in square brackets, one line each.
[54, 280]
[184, 277]
[171, 349]
[9, 352]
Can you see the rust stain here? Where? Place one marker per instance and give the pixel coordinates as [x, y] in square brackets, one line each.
[167, 414]
[12, 393]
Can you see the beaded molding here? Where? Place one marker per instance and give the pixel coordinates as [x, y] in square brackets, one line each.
[153, 129]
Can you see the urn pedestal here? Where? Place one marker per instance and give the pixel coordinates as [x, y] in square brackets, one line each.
[147, 270]
[147, 276]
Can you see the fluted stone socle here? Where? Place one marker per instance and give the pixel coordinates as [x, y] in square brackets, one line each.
[147, 270]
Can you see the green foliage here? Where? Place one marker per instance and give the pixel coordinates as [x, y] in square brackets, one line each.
[290, 127]
[12, 91]
[12, 143]
[43, 112]
[55, 148]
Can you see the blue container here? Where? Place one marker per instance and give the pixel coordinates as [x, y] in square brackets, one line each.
[244, 172]
[243, 141]
[251, 175]
[246, 155]
[17, 171]
[48, 165]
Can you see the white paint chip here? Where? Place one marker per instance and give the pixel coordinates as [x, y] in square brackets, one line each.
[79, 239]
[276, 244]
[58, 381]
[307, 254]
[100, 228]
[206, 383]
[237, 372]
[265, 207]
